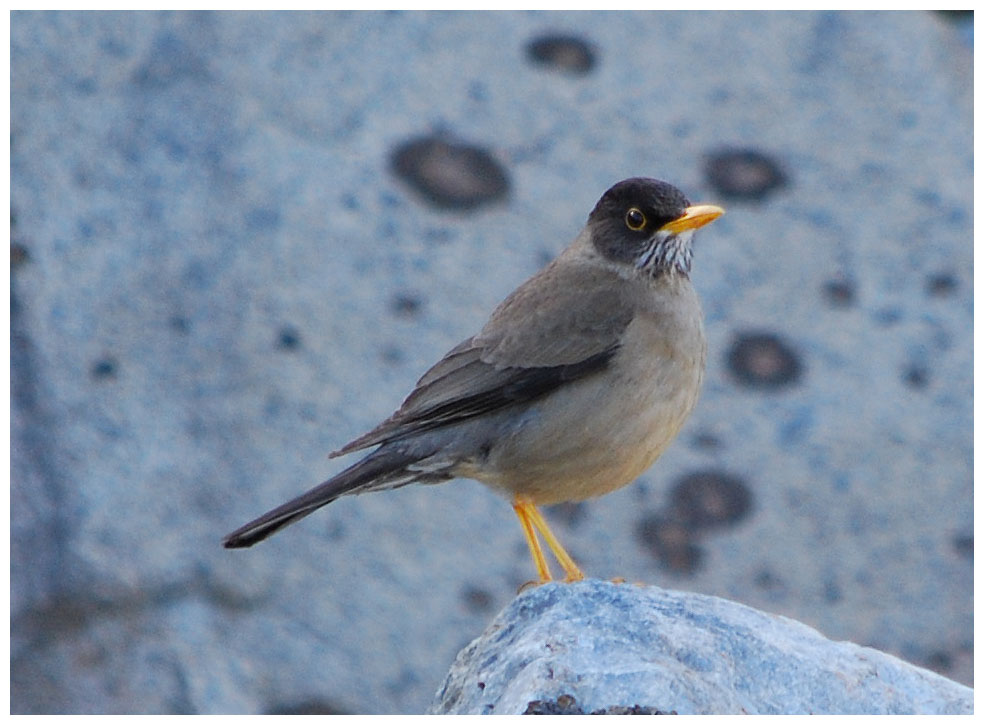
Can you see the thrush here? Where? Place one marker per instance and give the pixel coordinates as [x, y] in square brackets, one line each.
[577, 383]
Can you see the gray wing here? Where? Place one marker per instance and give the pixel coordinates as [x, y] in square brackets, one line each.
[561, 325]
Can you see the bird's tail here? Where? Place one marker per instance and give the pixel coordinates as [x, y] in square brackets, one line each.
[382, 469]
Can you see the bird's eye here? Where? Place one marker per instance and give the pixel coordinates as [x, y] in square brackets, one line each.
[635, 219]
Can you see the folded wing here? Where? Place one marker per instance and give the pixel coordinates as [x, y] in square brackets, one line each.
[534, 342]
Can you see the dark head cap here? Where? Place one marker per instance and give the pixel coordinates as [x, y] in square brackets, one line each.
[642, 221]
[661, 201]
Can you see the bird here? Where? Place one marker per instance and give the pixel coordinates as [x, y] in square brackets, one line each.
[576, 384]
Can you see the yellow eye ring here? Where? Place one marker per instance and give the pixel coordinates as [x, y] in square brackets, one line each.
[635, 219]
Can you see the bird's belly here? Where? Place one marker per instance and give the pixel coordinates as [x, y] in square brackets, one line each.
[588, 441]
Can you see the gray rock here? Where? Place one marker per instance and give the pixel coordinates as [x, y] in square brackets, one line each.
[597, 646]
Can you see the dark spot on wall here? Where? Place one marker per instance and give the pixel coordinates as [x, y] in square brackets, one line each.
[963, 544]
[406, 304]
[103, 369]
[450, 175]
[939, 661]
[770, 583]
[706, 441]
[762, 360]
[839, 292]
[477, 600]
[391, 355]
[670, 541]
[179, 324]
[941, 285]
[956, 16]
[288, 339]
[706, 499]
[743, 174]
[915, 377]
[566, 53]
[19, 255]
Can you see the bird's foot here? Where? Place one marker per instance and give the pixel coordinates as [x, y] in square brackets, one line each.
[532, 583]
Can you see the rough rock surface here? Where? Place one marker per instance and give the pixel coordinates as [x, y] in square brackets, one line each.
[618, 646]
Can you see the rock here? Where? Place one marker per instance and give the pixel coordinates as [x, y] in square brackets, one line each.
[596, 646]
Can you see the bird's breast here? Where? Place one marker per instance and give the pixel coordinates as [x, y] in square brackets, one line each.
[600, 433]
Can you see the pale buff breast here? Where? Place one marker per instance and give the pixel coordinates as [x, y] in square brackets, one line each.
[601, 433]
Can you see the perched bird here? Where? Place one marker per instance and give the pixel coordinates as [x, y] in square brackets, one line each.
[577, 383]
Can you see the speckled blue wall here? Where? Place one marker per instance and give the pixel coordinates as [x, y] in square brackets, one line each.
[223, 268]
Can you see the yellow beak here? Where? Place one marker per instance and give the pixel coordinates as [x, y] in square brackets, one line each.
[693, 218]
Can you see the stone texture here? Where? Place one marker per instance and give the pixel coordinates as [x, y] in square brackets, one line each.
[207, 240]
[611, 646]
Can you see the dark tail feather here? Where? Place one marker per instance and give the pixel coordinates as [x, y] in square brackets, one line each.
[366, 471]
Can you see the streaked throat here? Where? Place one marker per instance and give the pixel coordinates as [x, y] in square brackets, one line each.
[667, 253]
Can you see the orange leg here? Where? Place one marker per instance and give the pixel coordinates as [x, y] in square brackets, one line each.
[531, 518]
[542, 570]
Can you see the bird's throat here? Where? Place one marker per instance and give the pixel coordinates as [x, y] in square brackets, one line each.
[668, 255]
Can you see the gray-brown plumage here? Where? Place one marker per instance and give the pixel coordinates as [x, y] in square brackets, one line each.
[576, 384]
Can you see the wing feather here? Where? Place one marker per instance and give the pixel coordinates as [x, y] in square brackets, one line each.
[563, 324]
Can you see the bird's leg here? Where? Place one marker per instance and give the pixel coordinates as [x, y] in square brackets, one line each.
[529, 514]
[522, 509]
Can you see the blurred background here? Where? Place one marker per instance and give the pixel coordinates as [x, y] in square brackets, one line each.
[237, 240]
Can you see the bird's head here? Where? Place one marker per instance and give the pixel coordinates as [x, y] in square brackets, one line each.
[648, 225]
